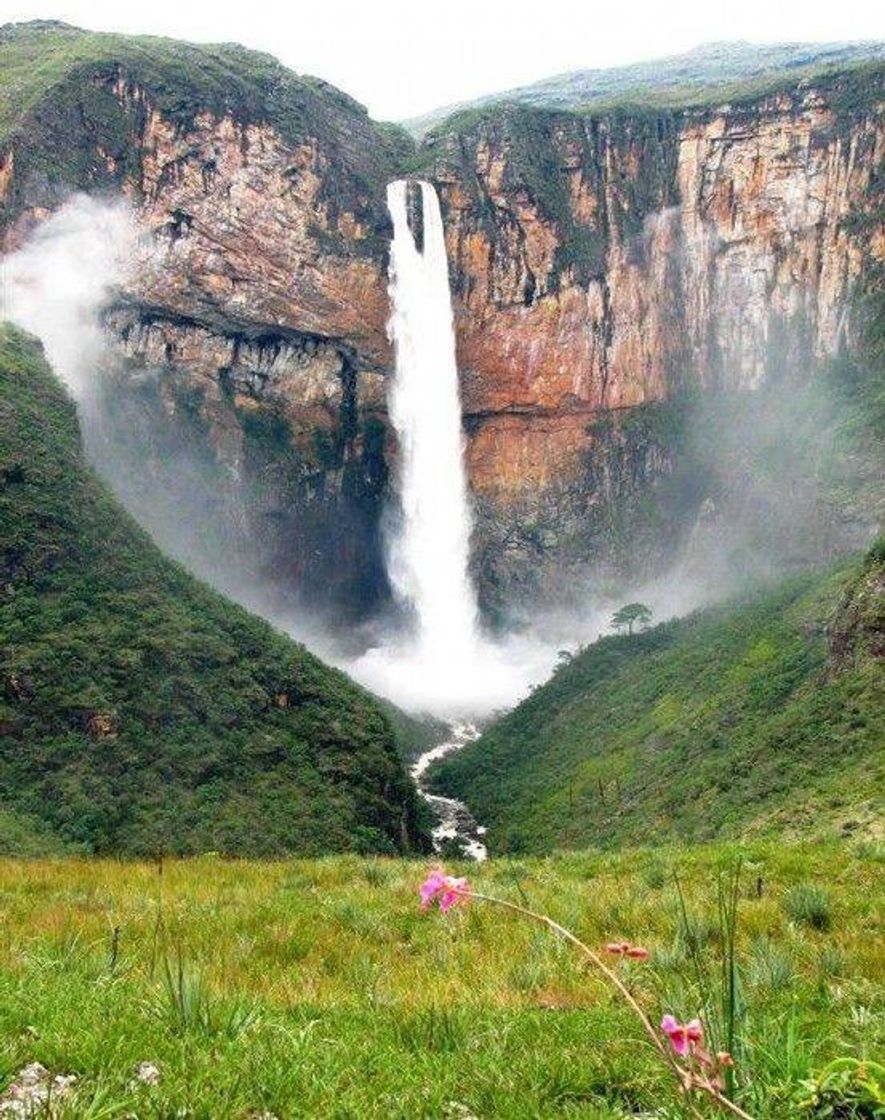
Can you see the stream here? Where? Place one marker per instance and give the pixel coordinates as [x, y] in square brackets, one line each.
[454, 819]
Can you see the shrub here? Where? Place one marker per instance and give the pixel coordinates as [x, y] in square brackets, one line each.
[809, 905]
[846, 1089]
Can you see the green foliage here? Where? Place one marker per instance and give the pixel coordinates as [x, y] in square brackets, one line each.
[630, 615]
[845, 1089]
[809, 904]
[141, 711]
[737, 719]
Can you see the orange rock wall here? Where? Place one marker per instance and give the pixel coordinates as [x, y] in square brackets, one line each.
[737, 263]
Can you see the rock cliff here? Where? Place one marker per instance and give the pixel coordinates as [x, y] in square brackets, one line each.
[252, 325]
[608, 262]
[600, 264]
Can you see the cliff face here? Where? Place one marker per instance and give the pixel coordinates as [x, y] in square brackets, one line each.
[598, 261]
[253, 320]
[599, 265]
[262, 288]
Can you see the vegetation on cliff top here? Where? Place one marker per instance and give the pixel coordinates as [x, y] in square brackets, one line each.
[58, 106]
[737, 720]
[638, 135]
[141, 712]
[715, 72]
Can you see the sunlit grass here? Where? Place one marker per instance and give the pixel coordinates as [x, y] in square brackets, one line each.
[316, 987]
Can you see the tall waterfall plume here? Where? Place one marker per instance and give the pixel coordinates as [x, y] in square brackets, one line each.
[445, 665]
[429, 547]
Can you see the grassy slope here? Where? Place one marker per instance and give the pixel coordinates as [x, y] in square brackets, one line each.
[729, 722]
[141, 711]
[317, 988]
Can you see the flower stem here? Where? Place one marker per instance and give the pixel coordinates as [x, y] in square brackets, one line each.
[684, 1076]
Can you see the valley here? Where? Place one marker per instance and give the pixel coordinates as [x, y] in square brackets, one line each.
[442, 587]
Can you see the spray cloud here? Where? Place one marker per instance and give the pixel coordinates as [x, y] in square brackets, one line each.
[55, 285]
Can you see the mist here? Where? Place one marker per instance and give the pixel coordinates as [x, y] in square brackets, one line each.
[754, 485]
[55, 285]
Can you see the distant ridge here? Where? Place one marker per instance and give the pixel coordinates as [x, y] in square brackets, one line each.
[697, 70]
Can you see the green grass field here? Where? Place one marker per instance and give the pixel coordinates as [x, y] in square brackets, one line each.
[318, 988]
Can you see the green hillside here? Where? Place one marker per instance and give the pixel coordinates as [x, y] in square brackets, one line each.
[763, 715]
[141, 712]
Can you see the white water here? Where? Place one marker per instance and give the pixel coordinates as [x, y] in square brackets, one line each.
[454, 819]
[429, 554]
[444, 665]
[56, 283]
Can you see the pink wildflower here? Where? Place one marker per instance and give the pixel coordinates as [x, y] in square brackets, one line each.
[449, 890]
[683, 1037]
[617, 947]
[431, 887]
[456, 890]
[624, 948]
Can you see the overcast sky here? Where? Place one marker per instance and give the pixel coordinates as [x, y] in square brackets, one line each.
[404, 57]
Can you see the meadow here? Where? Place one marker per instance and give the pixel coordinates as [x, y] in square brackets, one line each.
[318, 987]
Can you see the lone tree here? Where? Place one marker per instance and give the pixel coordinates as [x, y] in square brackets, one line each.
[630, 615]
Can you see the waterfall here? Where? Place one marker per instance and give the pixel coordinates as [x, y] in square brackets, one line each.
[445, 665]
[429, 546]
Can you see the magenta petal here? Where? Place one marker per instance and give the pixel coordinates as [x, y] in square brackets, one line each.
[680, 1042]
[431, 887]
[669, 1025]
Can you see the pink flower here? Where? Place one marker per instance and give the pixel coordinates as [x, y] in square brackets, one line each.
[448, 889]
[682, 1036]
[431, 887]
[624, 948]
[455, 890]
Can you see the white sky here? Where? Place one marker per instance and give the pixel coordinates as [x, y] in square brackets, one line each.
[404, 57]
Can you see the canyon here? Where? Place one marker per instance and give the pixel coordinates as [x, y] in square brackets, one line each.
[603, 267]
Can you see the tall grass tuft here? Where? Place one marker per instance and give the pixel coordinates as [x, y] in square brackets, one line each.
[187, 1005]
[717, 989]
[809, 905]
[432, 1030]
